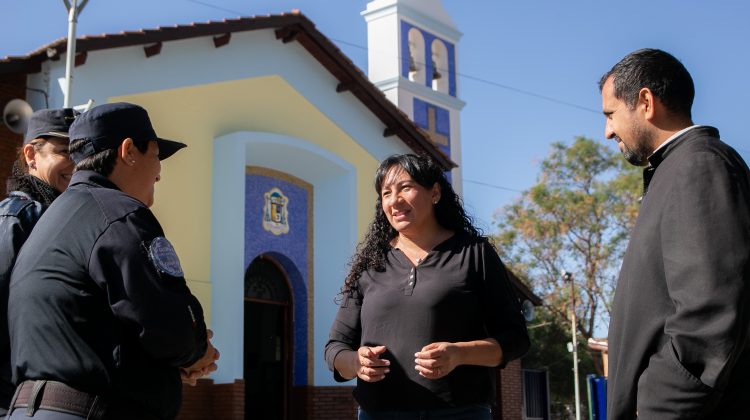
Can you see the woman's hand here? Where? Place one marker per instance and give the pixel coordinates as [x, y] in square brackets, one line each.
[371, 368]
[437, 360]
[365, 364]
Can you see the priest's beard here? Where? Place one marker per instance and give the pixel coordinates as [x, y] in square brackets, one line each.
[638, 155]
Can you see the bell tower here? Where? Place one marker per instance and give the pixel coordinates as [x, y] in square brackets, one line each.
[412, 58]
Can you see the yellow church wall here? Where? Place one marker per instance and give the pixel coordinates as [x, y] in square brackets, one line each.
[196, 115]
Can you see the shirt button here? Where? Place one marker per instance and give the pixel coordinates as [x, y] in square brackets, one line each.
[411, 283]
[412, 276]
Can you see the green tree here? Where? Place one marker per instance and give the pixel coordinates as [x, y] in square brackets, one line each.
[577, 217]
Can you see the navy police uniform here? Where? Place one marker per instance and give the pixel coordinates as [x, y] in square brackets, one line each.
[101, 318]
[18, 215]
[28, 198]
[98, 302]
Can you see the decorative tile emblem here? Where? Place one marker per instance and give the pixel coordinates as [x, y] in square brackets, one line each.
[275, 212]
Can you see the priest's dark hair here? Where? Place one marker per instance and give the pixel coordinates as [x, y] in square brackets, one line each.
[660, 72]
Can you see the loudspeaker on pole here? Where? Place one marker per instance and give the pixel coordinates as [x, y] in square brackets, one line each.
[16, 114]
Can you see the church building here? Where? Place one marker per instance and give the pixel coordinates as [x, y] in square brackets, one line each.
[275, 189]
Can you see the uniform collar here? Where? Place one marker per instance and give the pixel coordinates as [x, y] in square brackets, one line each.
[34, 188]
[92, 178]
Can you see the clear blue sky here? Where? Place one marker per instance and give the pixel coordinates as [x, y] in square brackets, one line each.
[513, 55]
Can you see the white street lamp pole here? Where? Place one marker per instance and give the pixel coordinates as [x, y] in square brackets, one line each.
[569, 277]
[73, 10]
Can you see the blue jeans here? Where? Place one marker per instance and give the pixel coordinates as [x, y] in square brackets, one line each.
[470, 412]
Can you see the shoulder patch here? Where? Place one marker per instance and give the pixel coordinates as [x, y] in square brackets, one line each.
[162, 255]
[14, 205]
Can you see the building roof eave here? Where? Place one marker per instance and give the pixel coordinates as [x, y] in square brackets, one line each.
[289, 27]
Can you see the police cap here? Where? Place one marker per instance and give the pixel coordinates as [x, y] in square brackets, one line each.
[105, 127]
[49, 123]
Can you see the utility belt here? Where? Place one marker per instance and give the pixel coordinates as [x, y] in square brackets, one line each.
[57, 396]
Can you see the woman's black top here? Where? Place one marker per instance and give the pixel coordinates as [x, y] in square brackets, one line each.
[459, 292]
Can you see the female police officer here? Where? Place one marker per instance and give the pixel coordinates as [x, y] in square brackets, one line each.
[100, 316]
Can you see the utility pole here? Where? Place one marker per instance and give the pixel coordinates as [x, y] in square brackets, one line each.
[73, 10]
[568, 277]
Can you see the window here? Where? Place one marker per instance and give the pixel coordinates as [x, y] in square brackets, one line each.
[416, 56]
[439, 72]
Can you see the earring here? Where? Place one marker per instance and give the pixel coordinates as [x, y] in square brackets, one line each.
[434, 201]
[132, 162]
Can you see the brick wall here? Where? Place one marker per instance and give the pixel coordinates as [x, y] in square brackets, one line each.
[511, 388]
[332, 403]
[12, 86]
[207, 400]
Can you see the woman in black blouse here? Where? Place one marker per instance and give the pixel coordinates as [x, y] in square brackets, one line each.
[427, 310]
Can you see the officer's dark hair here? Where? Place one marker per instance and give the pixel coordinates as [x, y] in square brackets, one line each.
[102, 162]
[658, 71]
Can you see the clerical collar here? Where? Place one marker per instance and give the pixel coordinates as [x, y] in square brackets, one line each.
[674, 137]
[658, 155]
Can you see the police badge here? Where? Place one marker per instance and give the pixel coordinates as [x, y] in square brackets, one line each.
[162, 255]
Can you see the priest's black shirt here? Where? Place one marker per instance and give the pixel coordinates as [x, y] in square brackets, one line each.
[459, 292]
[679, 332]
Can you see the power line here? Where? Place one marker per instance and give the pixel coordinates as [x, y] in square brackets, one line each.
[491, 185]
[463, 75]
[529, 93]
[466, 76]
[496, 84]
[215, 7]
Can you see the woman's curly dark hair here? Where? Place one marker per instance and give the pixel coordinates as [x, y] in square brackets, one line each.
[371, 252]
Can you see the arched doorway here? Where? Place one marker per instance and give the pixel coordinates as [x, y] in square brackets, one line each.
[267, 344]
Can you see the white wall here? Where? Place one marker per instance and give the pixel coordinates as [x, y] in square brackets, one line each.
[333, 183]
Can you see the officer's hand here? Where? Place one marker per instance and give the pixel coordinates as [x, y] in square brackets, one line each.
[190, 378]
[203, 366]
